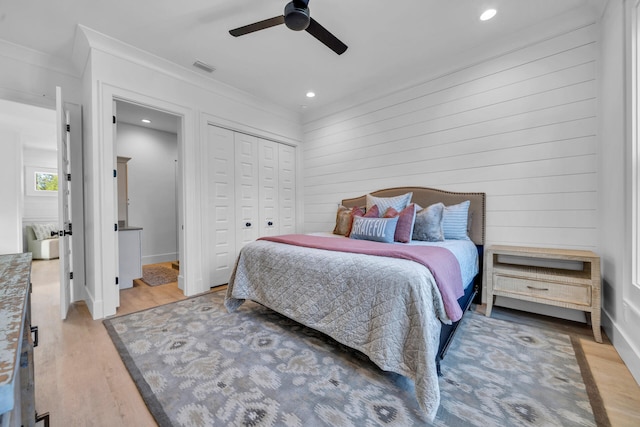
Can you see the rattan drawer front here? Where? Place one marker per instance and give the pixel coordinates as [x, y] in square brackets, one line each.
[560, 292]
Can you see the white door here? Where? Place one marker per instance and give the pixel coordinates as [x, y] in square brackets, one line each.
[116, 246]
[287, 188]
[221, 205]
[64, 203]
[247, 191]
[76, 195]
[268, 163]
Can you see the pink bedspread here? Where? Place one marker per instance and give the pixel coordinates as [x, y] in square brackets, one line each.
[440, 261]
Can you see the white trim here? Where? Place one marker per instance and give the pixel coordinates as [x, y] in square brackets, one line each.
[631, 287]
[190, 271]
[158, 258]
[134, 55]
[623, 345]
[631, 102]
[210, 119]
[36, 58]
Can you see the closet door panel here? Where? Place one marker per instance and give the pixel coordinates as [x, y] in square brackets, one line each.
[269, 212]
[247, 189]
[287, 188]
[221, 205]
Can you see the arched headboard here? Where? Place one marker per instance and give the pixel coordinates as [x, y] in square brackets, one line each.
[425, 196]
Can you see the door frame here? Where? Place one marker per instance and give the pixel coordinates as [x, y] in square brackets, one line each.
[189, 242]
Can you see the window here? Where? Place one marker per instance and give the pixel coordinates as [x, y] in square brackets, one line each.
[41, 181]
[46, 181]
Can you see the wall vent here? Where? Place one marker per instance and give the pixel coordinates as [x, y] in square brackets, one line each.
[203, 66]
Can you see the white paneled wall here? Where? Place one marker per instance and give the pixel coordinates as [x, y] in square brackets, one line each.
[520, 127]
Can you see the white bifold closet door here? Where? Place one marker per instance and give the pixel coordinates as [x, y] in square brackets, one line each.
[269, 189]
[286, 189]
[247, 189]
[221, 204]
[251, 193]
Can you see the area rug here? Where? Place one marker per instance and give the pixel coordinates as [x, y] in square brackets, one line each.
[154, 275]
[195, 364]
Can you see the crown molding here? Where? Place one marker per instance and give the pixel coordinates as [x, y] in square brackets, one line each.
[88, 39]
[36, 58]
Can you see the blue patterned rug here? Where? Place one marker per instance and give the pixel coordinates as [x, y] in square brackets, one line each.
[197, 365]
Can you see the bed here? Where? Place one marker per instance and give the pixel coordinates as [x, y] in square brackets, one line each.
[388, 306]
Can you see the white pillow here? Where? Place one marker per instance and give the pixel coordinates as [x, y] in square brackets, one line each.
[398, 202]
[43, 231]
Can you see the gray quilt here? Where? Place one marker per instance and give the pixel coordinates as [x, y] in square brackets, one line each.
[389, 309]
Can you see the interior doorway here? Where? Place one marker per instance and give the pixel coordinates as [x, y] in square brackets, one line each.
[148, 193]
[28, 150]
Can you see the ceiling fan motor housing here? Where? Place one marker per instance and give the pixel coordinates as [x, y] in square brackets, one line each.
[296, 15]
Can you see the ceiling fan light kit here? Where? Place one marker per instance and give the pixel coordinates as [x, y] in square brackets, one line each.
[296, 17]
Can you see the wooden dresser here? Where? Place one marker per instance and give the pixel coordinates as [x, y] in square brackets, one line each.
[560, 277]
[17, 394]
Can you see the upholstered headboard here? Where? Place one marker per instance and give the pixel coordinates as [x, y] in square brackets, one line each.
[427, 196]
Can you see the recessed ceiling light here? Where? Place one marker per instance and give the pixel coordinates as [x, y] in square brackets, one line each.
[488, 14]
[147, 121]
[310, 94]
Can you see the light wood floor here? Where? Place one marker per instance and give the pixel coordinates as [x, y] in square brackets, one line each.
[81, 381]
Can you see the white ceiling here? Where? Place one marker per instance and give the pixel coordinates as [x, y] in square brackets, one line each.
[390, 42]
[133, 114]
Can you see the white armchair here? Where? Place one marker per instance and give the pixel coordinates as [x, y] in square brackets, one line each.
[44, 248]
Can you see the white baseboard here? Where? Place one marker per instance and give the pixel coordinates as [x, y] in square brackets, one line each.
[623, 345]
[96, 307]
[78, 294]
[157, 258]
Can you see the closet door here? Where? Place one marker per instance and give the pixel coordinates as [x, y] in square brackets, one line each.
[269, 170]
[220, 226]
[247, 189]
[287, 188]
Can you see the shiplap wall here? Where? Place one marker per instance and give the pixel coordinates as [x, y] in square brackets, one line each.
[520, 127]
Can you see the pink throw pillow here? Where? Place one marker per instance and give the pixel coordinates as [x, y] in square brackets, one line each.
[406, 219]
[373, 212]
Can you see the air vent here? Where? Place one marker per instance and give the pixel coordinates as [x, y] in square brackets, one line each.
[205, 67]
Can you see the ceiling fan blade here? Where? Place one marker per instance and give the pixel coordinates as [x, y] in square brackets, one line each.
[321, 33]
[257, 26]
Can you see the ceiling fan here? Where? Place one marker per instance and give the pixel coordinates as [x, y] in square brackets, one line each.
[296, 17]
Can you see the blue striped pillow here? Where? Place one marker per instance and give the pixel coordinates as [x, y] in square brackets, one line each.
[454, 221]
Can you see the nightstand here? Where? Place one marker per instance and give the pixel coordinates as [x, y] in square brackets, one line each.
[560, 277]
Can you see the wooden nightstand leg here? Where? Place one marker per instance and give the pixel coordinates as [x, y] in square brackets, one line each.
[490, 301]
[595, 325]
